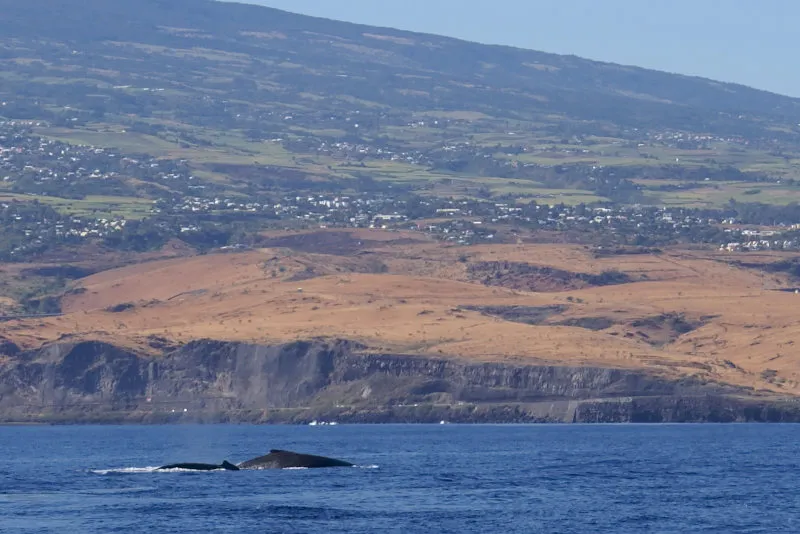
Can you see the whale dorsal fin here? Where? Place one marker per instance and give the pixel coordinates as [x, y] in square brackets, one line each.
[229, 466]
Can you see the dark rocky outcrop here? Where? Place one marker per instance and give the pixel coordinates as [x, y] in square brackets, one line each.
[122, 307]
[300, 381]
[529, 277]
[8, 347]
[532, 315]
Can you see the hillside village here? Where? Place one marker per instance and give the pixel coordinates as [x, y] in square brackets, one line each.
[36, 170]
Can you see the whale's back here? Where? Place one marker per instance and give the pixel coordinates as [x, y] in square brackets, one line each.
[280, 459]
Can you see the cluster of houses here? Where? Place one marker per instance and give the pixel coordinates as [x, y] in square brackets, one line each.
[34, 227]
[760, 244]
[365, 210]
[359, 151]
[462, 221]
[38, 165]
[458, 221]
[43, 159]
[687, 140]
[752, 240]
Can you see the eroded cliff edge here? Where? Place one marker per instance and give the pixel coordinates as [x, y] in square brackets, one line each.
[211, 381]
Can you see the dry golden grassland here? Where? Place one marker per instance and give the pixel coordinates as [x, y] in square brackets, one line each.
[400, 292]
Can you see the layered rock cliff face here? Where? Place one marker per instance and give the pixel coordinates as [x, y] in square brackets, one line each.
[340, 380]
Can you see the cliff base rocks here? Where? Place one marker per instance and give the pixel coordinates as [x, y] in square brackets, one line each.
[339, 380]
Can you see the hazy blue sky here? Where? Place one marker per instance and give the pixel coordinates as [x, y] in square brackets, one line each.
[754, 42]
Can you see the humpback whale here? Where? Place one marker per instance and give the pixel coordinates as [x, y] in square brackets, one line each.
[279, 459]
[276, 459]
[226, 465]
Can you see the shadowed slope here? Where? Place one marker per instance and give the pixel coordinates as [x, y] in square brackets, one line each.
[389, 67]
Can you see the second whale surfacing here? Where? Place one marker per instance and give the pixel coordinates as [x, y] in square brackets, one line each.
[193, 466]
[280, 459]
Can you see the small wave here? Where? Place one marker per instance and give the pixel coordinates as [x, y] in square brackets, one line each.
[371, 466]
[294, 468]
[115, 491]
[152, 469]
[308, 513]
[25, 496]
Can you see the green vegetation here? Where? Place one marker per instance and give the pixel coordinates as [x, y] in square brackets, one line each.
[225, 93]
[241, 122]
[103, 135]
[718, 195]
[93, 206]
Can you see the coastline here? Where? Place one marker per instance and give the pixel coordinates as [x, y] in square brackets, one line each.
[642, 410]
[339, 381]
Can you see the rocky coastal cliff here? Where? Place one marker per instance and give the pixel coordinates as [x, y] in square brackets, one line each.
[212, 381]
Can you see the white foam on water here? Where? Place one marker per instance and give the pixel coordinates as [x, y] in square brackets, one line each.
[123, 470]
[155, 469]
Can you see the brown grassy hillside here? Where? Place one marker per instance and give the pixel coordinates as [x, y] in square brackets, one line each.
[680, 312]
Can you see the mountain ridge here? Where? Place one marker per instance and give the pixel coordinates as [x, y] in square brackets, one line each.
[516, 78]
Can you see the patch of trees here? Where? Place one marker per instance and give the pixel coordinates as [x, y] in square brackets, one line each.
[764, 214]
[139, 236]
[621, 251]
[211, 236]
[533, 277]
[204, 235]
[42, 305]
[73, 189]
[119, 308]
[67, 272]
[757, 213]
[790, 266]
[605, 278]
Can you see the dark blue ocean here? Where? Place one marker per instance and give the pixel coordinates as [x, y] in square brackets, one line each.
[448, 478]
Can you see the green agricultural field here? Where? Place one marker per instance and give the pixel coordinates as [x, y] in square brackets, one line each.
[542, 196]
[651, 183]
[203, 147]
[91, 206]
[129, 142]
[460, 186]
[570, 197]
[718, 194]
[611, 152]
[320, 132]
[225, 146]
[232, 147]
